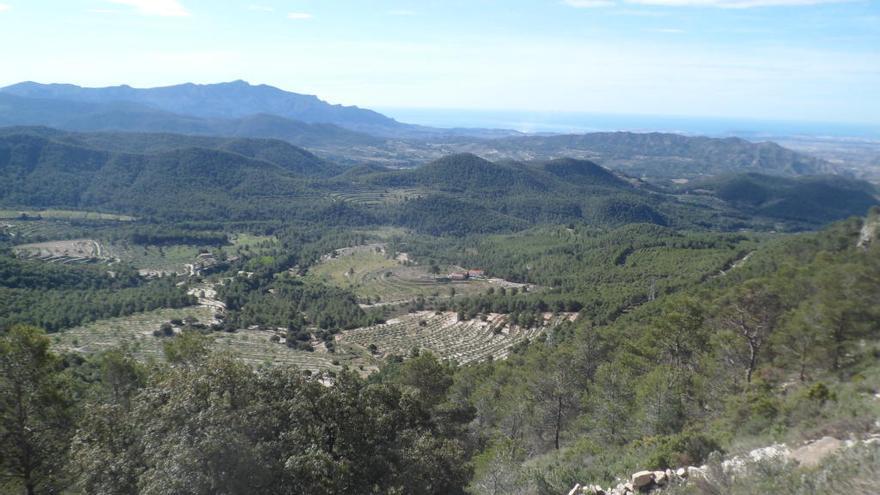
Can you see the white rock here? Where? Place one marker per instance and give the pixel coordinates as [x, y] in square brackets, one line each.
[694, 472]
[575, 490]
[812, 455]
[642, 478]
[660, 477]
[681, 472]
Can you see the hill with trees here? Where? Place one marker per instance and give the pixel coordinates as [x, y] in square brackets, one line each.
[659, 155]
[799, 198]
[191, 177]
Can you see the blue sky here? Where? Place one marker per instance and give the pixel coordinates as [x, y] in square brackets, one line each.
[766, 59]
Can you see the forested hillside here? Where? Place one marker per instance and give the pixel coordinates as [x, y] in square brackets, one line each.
[181, 177]
[820, 197]
[268, 321]
[780, 345]
[519, 247]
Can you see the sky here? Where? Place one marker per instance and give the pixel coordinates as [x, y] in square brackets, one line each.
[800, 60]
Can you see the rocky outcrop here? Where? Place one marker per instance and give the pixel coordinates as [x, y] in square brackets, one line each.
[810, 455]
[870, 229]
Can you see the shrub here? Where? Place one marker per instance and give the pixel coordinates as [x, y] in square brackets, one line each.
[682, 449]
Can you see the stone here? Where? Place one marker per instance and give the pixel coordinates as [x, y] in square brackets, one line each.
[812, 455]
[660, 477]
[681, 472]
[575, 490]
[694, 472]
[642, 478]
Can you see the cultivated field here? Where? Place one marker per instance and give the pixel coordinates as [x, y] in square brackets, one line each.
[133, 331]
[441, 333]
[155, 259]
[375, 277]
[136, 333]
[69, 251]
[150, 260]
[40, 230]
[379, 198]
[63, 214]
[444, 335]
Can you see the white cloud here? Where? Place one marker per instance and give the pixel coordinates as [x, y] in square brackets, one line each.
[163, 8]
[588, 4]
[721, 4]
[402, 12]
[299, 16]
[733, 4]
[4, 7]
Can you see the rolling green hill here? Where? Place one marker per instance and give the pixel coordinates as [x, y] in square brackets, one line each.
[582, 172]
[816, 198]
[659, 155]
[190, 177]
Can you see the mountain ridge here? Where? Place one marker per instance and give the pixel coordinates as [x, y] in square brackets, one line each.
[221, 100]
[352, 135]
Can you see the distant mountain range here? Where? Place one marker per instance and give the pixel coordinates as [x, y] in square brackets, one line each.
[354, 136]
[230, 100]
[134, 117]
[674, 155]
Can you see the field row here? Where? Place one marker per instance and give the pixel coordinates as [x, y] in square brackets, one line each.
[379, 198]
[63, 214]
[445, 335]
[135, 332]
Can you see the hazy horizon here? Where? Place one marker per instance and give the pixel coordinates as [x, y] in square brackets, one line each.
[781, 60]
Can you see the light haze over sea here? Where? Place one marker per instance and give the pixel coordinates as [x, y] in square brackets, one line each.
[581, 122]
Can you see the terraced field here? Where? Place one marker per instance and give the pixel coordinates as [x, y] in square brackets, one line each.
[33, 231]
[155, 259]
[446, 336]
[136, 333]
[376, 278]
[70, 251]
[150, 260]
[441, 333]
[64, 215]
[379, 198]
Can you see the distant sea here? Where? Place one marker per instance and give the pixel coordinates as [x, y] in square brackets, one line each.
[574, 122]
